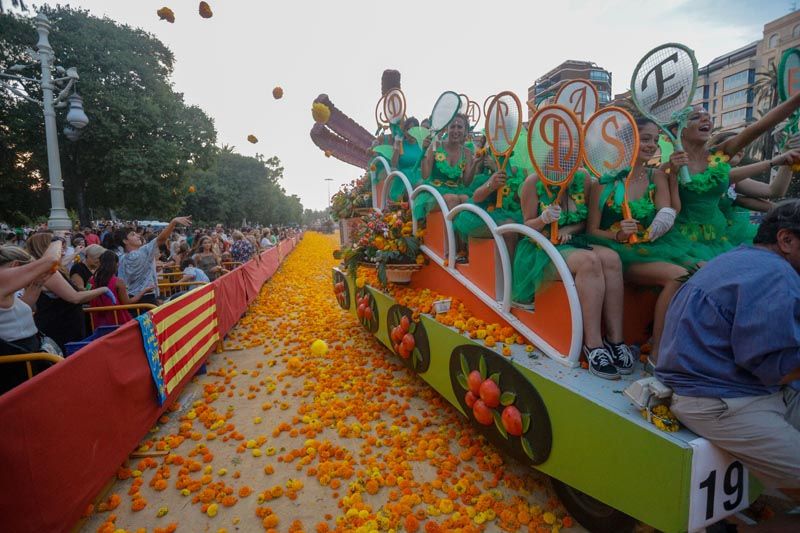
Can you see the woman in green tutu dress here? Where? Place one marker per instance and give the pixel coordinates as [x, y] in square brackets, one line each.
[700, 218]
[448, 167]
[660, 256]
[748, 195]
[487, 184]
[597, 270]
[406, 155]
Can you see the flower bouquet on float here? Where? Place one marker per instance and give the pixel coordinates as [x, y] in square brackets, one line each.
[385, 241]
[348, 205]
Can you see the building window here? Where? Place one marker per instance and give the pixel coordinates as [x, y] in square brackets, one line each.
[700, 94]
[736, 80]
[796, 32]
[605, 97]
[773, 41]
[735, 99]
[598, 75]
[734, 117]
[714, 107]
[715, 88]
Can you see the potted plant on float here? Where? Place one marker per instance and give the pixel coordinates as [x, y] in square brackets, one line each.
[385, 241]
[348, 205]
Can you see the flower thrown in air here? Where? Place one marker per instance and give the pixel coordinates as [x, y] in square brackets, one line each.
[252, 138]
[205, 10]
[167, 14]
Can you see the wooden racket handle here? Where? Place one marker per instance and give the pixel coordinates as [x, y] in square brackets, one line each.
[554, 232]
[626, 212]
[501, 191]
[554, 225]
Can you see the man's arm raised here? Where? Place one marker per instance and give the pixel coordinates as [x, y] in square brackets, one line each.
[166, 232]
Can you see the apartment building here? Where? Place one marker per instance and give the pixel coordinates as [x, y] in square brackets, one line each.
[547, 86]
[725, 85]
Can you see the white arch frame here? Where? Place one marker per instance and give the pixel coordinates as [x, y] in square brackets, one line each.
[503, 305]
[390, 177]
[576, 341]
[500, 244]
[373, 180]
[448, 227]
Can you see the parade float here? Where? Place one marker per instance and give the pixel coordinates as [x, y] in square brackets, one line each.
[516, 374]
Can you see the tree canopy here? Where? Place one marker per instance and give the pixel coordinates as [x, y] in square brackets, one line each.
[237, 188]
[143, 147]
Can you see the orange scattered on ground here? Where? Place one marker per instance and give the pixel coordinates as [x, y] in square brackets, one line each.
[278, 437]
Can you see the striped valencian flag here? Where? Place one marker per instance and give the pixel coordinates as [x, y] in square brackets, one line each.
[177, 335]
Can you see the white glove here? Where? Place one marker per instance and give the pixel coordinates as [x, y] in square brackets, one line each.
[662, 223]
[551, 214]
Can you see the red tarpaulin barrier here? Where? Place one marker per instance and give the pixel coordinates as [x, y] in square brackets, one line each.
[64, 433]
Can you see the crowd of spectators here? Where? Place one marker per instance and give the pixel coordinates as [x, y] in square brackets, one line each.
[47, 279]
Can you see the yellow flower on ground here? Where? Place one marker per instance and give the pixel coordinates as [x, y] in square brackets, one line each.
[319, 347]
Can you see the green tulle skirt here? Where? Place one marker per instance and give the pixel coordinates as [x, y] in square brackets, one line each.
[740, 229]
[706, 241]
[397, 190]
[533, 268]
[470, 225]
[425, 202]
[671, 247]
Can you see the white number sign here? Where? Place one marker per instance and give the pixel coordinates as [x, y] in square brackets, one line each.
[720, 485]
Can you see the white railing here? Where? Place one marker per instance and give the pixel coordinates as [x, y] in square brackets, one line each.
[502, 250]
[503, 283]
[450, 235]
[387, 185]
[576, 315]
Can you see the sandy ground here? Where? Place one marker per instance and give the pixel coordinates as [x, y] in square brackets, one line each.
[278, 437]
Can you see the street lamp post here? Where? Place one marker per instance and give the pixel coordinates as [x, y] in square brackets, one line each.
[329, 180]
[77, 119]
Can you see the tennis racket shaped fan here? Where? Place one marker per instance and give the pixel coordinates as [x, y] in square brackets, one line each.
[580, 96]
[394, 111]
[788, 86]
[444, 111]
[555, 144]
[611, 144]
[662, 87]
[503, 124]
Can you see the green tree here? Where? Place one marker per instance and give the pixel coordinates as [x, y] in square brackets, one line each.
[142, 138]
[237, 188]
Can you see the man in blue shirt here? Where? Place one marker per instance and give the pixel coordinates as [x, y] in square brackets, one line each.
[137, 266]
[731, 347]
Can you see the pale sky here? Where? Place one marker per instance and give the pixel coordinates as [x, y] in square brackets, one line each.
[228, 64]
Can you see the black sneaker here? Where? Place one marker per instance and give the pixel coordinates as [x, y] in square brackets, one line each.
[621, 357]
[600, 362]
